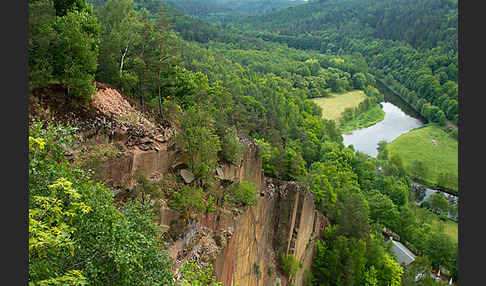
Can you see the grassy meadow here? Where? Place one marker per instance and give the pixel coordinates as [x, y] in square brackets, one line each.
[432, 146]
[333, 105]
[449, 227]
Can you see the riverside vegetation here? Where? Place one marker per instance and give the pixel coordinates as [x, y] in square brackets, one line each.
[216, 81]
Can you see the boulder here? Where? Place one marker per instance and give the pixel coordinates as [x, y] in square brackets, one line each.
[187, 175]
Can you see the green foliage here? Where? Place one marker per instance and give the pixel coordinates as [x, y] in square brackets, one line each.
[198, 140]
[189, 200]
[63, 6]
[77, 236]
[242, 194]
[195, 275]
[417, 60]
[308, 278]
[438, 203]
[72, 278]
[147, 189]
[371, 277]
[63, 46]
[270, 271]
[383, 210]
[352, 218]
[318, 182]
[232, 149]
[364, 119]
[391, 272]
[421, 265]
[51, 228]
[289, 265]
[339, 260]
[242, 79]
[256, 269]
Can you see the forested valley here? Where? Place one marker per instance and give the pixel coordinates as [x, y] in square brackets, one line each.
[222, 73]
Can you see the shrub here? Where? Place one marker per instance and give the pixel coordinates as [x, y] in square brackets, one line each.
[256, 269]
[289, 265]
[147, 189]
[195, 275]
[242, 194]
[188, 200]
[198, 140]
[88, 238]
[270, 271]
[232, 150]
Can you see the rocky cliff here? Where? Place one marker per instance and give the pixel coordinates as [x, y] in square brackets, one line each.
[244, 245]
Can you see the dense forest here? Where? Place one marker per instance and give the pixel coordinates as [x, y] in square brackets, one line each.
[410, 45]
[418, 62]
[229, 10]
[251, 76]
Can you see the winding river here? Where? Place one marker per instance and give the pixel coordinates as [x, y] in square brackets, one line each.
[399, 119]
[395, 123]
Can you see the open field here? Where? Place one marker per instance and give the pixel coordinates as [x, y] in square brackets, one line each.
[449, 227]
[371, 116]
[435, 148]
[336, 103]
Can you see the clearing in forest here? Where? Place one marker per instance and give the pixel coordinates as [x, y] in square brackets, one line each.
[448, 227]
[333, 105]
[435, 149]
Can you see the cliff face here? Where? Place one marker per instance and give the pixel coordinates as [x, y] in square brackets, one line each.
[244, 245]
[284, 221]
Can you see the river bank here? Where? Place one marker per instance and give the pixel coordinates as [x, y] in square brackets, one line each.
[395, 123]
[365, 119]
[429, 154]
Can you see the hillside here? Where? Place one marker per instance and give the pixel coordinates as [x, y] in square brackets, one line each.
[422, 24]
[410, 45]
[164, 150]
[214, 10]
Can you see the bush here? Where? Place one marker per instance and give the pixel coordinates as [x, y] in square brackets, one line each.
[195, 275]
[256, 269]
[270, 271]
[88, 239]
[198, 140]
[147, 189]
[289, 265]
[242, 194]
[189, 200]
[232, 150]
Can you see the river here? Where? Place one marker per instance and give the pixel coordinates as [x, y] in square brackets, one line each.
[395, 123]
[399, 119]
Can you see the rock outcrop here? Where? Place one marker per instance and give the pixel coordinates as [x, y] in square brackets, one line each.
[284, 221]
[244, 245]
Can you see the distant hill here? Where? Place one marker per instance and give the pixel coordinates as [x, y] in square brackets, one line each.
[219, 9]
[421, 23]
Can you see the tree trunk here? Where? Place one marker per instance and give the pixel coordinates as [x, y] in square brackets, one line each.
[123, 57]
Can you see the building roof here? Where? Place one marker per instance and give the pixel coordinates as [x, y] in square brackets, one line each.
[404, 255]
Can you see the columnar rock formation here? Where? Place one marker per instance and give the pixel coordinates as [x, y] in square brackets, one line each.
[244, 245]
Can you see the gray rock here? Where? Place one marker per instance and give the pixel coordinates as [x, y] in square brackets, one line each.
[187, 175]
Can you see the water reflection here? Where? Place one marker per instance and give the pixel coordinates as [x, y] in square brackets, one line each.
[395, 123]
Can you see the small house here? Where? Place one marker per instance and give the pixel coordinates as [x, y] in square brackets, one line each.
[403, 254]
